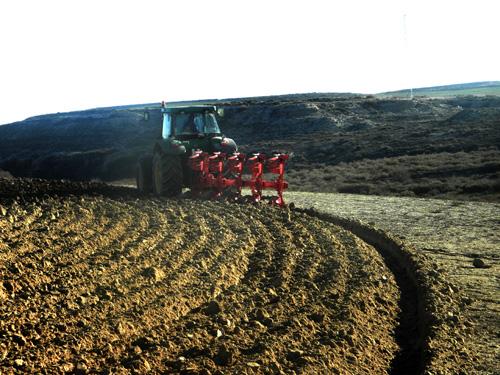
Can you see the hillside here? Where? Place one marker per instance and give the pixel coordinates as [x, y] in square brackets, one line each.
[340, 143]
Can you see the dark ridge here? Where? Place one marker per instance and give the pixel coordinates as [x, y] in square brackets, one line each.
[27, 188]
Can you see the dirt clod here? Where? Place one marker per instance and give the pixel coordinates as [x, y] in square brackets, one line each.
[144, 343]
[261, 315]
[479, 263]
[3, 294]
[68, 367]
[19, 339]
[294, 355]
[154, 273]
[81, 368]
[213, 308]
[224, 356]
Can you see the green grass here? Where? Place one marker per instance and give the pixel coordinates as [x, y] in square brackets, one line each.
[447, 91]
[442, 94]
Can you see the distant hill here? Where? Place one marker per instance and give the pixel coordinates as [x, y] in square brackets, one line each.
[461, 89]
[446, 147]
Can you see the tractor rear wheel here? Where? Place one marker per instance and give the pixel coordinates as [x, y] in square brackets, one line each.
[167, 175]
[144, 174]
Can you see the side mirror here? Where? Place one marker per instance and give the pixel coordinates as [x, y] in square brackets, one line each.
[220, 112]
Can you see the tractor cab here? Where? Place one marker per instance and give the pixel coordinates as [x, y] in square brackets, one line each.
[185, 129]
[186, 123]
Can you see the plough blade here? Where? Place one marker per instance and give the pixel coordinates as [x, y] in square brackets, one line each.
[219, 172]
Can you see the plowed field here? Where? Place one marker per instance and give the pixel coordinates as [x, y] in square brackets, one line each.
[95, 279]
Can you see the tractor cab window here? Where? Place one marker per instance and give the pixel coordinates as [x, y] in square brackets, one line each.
[206, 123]
[211, 125]
[195, 123]
[184, 124]
[199, 124]
[167, 126]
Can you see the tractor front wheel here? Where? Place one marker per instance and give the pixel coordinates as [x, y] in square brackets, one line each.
[167, 175]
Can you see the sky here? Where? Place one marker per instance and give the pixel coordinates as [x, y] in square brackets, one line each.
[60, 55]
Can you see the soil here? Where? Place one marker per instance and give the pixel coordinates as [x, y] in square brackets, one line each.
[97, 279]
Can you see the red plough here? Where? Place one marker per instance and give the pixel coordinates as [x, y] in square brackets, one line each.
[219, 172]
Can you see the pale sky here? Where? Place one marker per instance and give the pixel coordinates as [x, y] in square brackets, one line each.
[61, 55]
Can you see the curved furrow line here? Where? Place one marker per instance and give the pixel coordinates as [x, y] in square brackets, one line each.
[122, 228]
[367, 301]
[304, 274]
[296, 307]
[332, 256]
[181, 288]
[276, 253]
[88, 298]
[216, 263]
[249, 292]
[154, 245]
[47, 295]
[49, 250]
[227, 275]
[178, 291]
[229, 262]
[134, 241]
[236, 293]
[25, 235]
[115, 260]
[428, 340]
[134, 284]
[269, 319]
[90, 253]
[77, 263]
[176, 246]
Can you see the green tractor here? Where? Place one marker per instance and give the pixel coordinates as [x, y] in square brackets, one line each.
[185, 129]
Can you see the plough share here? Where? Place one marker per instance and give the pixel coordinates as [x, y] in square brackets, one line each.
[219, 173]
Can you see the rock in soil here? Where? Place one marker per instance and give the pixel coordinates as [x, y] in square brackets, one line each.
[479, 263]
[213, 308]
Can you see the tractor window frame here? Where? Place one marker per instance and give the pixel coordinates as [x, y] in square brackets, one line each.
[167, 126]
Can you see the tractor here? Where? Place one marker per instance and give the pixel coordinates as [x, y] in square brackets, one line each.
[193, 153]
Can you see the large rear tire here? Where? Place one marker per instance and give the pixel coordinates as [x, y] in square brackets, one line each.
[167, 175]
[144, 174]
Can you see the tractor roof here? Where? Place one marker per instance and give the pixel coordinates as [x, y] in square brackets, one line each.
[191, 109]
